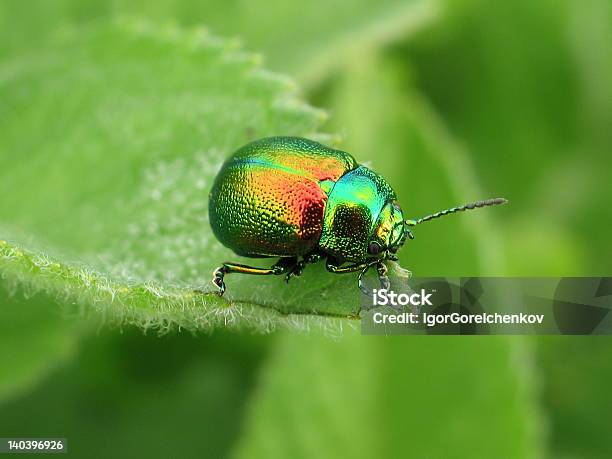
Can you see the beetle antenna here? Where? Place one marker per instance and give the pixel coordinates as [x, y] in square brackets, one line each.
[452, 210]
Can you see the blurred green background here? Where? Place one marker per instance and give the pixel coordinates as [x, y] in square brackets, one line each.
[449, 100]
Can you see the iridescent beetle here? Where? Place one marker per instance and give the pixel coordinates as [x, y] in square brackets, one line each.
[302, 202]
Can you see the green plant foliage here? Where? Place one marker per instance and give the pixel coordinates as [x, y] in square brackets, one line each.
[34, 335]
[110, 135]
[382, 397]
[138, 120]
[306, 39]
[130, 395]
[573, 392]
[392, 396]
[526, 86]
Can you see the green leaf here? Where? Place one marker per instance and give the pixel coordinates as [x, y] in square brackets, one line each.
[576, 393]
[110, 143]
[394, 397]
[310, 40]
[177, 395]
[34, 337]
[306, 39]
[526, 86]
[576, 240]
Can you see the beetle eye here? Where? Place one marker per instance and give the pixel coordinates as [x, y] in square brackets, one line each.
[374, 248]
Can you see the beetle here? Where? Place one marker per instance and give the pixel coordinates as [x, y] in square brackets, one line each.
[301, 202]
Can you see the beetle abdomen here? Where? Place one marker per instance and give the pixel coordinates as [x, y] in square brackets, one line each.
[268, 200]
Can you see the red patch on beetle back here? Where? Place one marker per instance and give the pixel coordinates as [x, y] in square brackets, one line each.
[267, 213]
[267, 198]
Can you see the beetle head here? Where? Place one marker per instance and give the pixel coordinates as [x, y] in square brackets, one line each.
[389, 233]
[391, 230]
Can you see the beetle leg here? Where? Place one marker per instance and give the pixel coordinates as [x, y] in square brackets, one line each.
[297, 268]
[312, 257]
[382, 276]
[229, 268]
[360, 279]
[291, 266]
[363, 267]
[382, 271]
[334, 268]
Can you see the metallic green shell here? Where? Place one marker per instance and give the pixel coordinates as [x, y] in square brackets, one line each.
[269, 198]
[352, 214]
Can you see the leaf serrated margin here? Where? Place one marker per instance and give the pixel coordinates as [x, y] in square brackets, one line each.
[149, 305]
